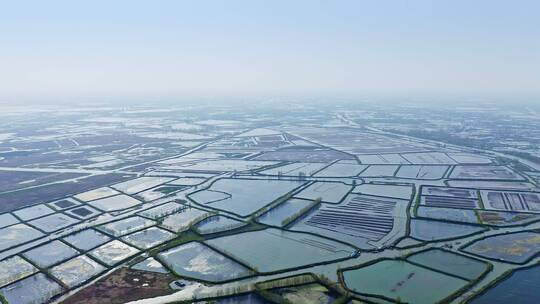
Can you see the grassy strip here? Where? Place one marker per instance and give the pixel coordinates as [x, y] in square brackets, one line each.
[417, 204]
[272, 297]
[263, 288]
[3, 300]
[288, 281]
[480, 200]
[342, 300]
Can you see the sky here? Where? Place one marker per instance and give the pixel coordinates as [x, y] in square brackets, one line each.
[158, 50]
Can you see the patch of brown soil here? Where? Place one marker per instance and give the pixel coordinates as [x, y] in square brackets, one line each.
[123, 285]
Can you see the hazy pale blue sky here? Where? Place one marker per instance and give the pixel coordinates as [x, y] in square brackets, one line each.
[164, 49]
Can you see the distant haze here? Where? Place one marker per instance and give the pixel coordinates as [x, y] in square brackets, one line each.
[161, 50]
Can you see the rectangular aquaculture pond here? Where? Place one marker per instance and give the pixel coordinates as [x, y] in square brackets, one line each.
[396, 279]
[280, 214]
[329, 192]
[273, 249]
[198, 261]
[243, 196]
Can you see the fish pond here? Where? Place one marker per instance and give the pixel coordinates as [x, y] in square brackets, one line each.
[17, 234]
[306, 294]
[149, 238]
[113, 252]
[396, 279]
[125, 226]
[451, 263]
[397, 191]
[32, 290]
[86, 239]
[53, 222]
[428, 230]
[33, 212]
[114, 203]
[150, 265]
[77, 271]
[328, 192]
[243, 196]
[218, 223]
[50, 253]
[13, 269]
[520, 287]
[341, 170]
[273, 249]
[162, 210]
[280, 214]
[183, 219]
[448, 214]
[198, 261]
